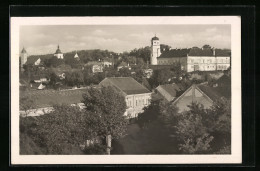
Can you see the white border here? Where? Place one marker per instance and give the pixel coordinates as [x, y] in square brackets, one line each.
[236, 141]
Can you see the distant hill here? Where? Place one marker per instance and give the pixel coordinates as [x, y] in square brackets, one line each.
[84, 55]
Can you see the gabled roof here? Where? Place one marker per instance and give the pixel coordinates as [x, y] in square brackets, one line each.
[208, 92]
[171, 89]
[174, 53]
[32, 60]
[94, 63]
[127, 85]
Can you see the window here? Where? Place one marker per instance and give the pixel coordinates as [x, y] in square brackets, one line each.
[136, 102]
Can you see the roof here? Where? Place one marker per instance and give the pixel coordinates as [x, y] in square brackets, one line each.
[225, 80]
[209, 92]
[195, 51]
[108, 60]
[76, 55]
[201, 52]
[58, 51]
[155, 38]
[175, 53]
[23, 51]
[168, 91]
[46, 98]
[128, 85]
[223, 52]
[94, 63]
[124, 64]
[171, 89]
[32, 59]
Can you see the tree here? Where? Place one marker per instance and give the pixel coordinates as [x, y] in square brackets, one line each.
[54, 79]
[164, 47]
[108, 107]
[74, 78]
[62, 131]
[161, 76]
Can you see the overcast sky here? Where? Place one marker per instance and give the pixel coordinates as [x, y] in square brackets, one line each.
[44, 39]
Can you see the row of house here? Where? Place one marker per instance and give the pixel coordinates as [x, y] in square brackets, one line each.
[191, 59]
[137, 96]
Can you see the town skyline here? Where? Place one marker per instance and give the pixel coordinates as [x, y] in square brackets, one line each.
[40, 40]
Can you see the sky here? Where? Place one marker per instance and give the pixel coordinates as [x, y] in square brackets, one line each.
[39, 40]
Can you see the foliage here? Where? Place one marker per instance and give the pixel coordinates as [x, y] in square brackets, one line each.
[74, 78]
[108, 107]
[161, 76]
[95, 149]
[59, 132]
[27, 103]
[53, 62]
[149, 114]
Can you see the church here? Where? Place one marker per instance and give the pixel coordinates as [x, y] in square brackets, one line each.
[191, 59]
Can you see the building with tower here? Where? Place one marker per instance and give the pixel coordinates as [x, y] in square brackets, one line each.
[58, 53]
[24, 56]
[191, 59]
[155, 50]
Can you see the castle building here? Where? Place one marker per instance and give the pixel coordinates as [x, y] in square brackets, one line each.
[58, 53]
[192, 59]
[24, 56]
[155, 50]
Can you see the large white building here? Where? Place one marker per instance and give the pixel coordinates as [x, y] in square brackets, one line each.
[192, 59]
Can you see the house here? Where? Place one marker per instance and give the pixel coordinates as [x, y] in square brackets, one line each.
[136, 95]
[33, 61]
[168, 92]
[107, 62]
[201, 94]
[223, 81]
[123, 65]
[76, 56]
[95, 66]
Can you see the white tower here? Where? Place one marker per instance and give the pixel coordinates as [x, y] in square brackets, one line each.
[58, 53]
[23, 57]
[155, 50]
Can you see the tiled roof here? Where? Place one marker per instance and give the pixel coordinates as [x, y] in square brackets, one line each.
[174, 53]
[211, 92]
[201, 52]
[128, 85]
[223, 52]
[32, 60]
[172, 89]
[225, 80]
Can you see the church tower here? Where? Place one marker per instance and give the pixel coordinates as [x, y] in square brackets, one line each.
[155, 50]
[58, 53]
[23, 57]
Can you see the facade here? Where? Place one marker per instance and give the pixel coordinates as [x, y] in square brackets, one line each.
[24, 56]
[155, 50]
[58, 53]
[95, 66]
[201, 94]
[136, 95]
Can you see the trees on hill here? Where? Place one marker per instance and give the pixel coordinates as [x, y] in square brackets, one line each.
[107, 107]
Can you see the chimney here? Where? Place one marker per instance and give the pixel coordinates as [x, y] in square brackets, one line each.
[214, 52]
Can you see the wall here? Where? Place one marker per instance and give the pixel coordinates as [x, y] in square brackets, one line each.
[135, 103]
